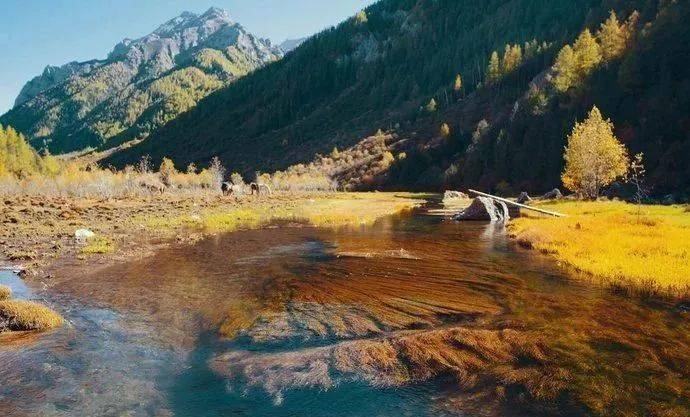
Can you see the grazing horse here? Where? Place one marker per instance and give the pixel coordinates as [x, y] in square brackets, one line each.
[226, 188]
[232, 189]
[260, 188]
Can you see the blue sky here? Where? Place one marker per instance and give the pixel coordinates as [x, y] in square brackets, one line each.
[36, 33]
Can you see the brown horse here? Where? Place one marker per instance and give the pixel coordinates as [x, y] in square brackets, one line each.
[260, 188]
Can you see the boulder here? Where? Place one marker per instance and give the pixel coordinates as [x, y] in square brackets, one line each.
[484, 209]
[83, 235]
[555, 194]
[452, 195]
[669, 200]
[523, 198]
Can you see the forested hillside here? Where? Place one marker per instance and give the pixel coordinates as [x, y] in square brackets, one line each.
[643, 86]
[469, 93]
[373, 71]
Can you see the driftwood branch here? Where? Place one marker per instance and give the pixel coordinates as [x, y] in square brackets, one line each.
[512, 203]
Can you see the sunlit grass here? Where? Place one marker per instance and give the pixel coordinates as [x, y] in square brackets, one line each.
[5, 292]
[328, 210]
[353, 208]
[642, 249]
[28, 316]
[99, 245]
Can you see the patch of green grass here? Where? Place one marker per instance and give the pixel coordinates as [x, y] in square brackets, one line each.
[99, 245]
[28, 316]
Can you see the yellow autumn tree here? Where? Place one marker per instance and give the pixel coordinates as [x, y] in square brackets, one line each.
[594, 157]
[17, 157]
[493, 72]
[565, 69]
[457, 86]
[445, 130]
[167, 171]
[574, 64]
[613, 38]
[512, 58]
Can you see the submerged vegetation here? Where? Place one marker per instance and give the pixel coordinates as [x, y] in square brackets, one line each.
[640, 249]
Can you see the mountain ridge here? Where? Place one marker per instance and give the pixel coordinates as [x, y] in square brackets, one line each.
[142, 84]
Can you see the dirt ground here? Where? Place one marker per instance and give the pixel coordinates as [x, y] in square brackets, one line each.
[38, 234]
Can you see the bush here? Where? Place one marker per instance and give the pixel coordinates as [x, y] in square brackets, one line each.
[5, 292]
[27, 316]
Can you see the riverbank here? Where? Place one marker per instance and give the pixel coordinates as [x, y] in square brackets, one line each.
[642, 250]
[38, 233]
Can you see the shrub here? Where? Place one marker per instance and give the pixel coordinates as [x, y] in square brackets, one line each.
[28, 316]
[5, 292]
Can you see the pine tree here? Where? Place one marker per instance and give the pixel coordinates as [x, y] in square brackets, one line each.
[494, 70]
[612, 37]
[594, 156]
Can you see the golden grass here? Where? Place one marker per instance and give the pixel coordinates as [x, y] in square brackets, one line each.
[99, 245]
[327, 210]
[5, 292]
[643, 249]
[28, 316]
[353, 208]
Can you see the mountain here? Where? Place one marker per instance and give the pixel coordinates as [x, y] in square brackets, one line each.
[394, 65]
[141, 85]
[289, 45]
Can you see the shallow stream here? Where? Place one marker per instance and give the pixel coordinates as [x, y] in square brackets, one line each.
[414, 316]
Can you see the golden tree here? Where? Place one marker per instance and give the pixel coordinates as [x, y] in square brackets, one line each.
[587, 53]
[512, 58]
[430, 108]
[574, 64]
[594, 156]
[457, 86]
[613, 38]
[167, 171]
[494, 70]
[445, 130]
[565, 69]
[17, 157]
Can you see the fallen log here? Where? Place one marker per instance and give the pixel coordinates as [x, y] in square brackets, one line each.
[522, 206]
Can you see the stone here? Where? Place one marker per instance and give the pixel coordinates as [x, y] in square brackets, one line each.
[451, 195]
[83, 235]
[523, 198]
[484, 209]
[554, 194]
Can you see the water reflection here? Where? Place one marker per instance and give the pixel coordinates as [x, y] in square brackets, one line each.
[296, 320]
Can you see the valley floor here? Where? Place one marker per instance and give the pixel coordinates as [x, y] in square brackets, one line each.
[38, 233]
[637, 249]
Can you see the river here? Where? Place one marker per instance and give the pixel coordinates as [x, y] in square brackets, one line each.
[414, 316]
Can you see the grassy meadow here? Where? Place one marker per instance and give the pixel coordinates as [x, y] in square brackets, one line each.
[322, 210]
[639, 249]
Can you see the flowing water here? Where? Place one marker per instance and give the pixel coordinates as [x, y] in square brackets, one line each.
[414, 316]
